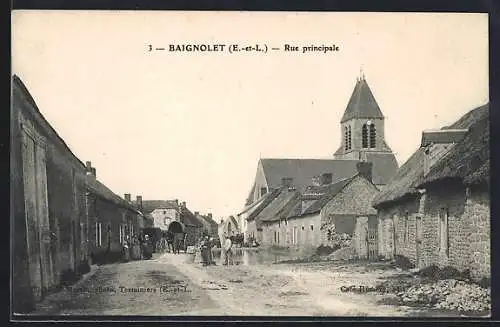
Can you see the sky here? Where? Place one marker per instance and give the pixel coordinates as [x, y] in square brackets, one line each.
[192, 126]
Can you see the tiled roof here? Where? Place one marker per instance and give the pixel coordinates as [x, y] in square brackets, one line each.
[412, 172]
[362, 103]
[150, 205]
[330, 192]
[212, 222]
[268, 198]
[102, 191]
[276, 209]
[385, 166]
[303, 170]
[188, 218]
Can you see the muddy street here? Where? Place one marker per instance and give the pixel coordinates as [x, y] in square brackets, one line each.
[176, 285]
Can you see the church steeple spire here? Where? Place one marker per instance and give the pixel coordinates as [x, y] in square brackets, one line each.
[362, 125]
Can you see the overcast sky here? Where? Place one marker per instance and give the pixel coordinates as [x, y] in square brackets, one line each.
[192, 126]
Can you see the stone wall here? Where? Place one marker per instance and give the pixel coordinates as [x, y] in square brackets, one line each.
[452, 197]
[468, 229]
[360, 237]
[394, 218]
[478, 213]
[308, 231]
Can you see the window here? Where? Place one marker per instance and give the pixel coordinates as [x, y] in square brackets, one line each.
[346, 138]
[263, 191]
[165, 221]
[364, 136]
[164, 212]
[406, 235]
[98, 234]
[444, 246]
[350, 138]
[372, 135]
[312, 227]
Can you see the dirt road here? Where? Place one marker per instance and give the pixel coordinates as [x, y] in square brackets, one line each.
[174, 285]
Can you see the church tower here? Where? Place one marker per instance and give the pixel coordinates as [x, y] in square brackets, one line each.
[362, 126]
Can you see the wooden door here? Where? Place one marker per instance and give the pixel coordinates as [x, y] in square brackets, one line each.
[372, 244]
[32, 228]
[46, 245]
[418, 240]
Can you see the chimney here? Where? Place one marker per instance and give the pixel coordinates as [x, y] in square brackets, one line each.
[88, 167]
[287, 181]
[139, 202]
[93, 172]
[365, 169]
[209, 215]
[183, 204]
[196, 213]
[127, 196]
[326, 178]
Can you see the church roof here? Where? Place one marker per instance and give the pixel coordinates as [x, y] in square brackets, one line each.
[362, 103]
[303, 170]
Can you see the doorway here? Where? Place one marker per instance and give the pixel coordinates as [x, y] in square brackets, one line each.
[418, 240]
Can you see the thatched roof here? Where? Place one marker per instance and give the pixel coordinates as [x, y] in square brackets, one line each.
[469, 159]
[411, 173]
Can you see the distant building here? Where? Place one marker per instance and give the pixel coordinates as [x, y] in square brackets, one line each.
[209, 225]
[174, 215]
[437, 208]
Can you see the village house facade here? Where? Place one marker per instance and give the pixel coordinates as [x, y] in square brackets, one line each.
[48, 209]
[309, 219]
[112, 219]
[59, 209]
[437, 209]
[174, 216]
[362, 140]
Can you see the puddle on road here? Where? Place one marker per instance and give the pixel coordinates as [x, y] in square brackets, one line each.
[250, 257]
[161, 278]
[292, 293]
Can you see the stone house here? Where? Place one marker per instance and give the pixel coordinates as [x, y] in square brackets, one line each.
[362, 138]
[436, 210]
[253, 223]
[48, 213]
[229, 226]
[210, 226]
[273, 233]
[162, 212]
[305, 220]
[174, 216]
[112, 219]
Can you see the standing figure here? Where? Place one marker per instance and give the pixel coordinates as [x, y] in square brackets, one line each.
[147, 248]
[170, 241]
[178, 242]
[228, 249]
[205, 248]
[210, 250]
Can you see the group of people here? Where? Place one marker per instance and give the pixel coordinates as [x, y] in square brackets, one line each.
[137, 248]
[208, 243]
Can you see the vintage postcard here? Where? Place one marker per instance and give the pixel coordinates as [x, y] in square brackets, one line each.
[191, 163]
